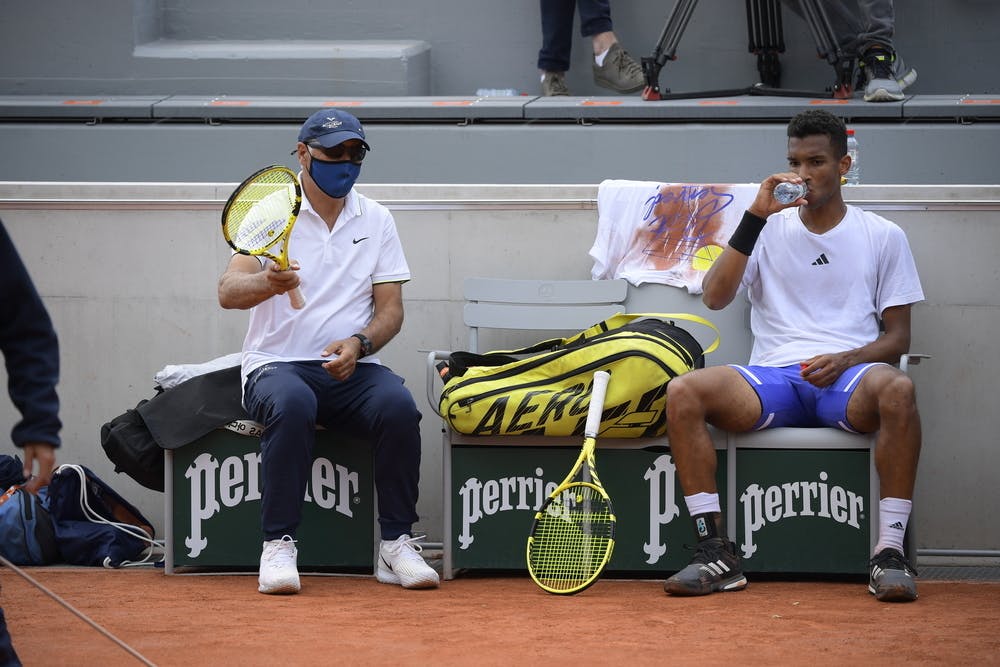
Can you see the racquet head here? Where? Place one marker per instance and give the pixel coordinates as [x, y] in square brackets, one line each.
[573, 533]
[572, 538]
[259, 216]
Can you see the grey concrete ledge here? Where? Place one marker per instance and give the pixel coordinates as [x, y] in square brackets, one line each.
[280, 49]
[20, 195]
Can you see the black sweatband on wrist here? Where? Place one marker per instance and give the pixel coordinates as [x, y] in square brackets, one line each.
[745, 236]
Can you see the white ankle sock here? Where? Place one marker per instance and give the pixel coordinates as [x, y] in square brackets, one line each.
[893, 515]
[702, 503]
[599, 58]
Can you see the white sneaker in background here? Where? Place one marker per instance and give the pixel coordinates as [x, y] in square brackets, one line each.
[278, 571]
[400, 562]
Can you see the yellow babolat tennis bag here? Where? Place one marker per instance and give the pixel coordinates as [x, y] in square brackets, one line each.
[545, 389]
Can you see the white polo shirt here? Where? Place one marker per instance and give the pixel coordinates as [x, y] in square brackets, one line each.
[338, 271]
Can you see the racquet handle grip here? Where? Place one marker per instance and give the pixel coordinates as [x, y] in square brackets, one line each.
[601, 379]
[296, 297]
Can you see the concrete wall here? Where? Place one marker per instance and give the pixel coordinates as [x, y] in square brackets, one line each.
[502, 153]
[129, 272]
[70, 47]
[62, 48]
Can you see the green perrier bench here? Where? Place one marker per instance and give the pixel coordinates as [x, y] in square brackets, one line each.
[798, 500]
[212, 489]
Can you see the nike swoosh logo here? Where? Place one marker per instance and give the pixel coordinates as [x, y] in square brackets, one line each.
[357, 241]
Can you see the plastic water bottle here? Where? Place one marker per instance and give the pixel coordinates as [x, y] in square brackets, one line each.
[497, 92]
[786, 193]
[854, 173]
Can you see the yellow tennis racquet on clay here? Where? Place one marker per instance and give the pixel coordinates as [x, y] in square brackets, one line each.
[573, 533]
[259, 216]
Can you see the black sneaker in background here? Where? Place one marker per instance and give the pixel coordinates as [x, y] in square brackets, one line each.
[879, 68]
[715, 567]
[891, 577]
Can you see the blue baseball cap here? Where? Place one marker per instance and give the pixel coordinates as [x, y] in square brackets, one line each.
[330, 127]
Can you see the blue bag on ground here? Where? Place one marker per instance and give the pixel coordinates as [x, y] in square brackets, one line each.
[27, 536]
[93, 524]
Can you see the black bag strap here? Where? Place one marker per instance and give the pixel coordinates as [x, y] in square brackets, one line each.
[459, 362]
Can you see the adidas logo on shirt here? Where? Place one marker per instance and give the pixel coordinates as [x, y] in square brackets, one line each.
[821, 260]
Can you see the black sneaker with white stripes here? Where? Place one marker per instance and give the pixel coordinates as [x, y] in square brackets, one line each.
[715, 567]
[891, 577]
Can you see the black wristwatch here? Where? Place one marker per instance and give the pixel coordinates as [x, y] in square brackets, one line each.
[366, 345]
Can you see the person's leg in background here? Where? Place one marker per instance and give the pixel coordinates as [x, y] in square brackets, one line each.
[886, 75]
[864, 32]
[8, 657]
[557, 42]
[864, 29]
[613, 67]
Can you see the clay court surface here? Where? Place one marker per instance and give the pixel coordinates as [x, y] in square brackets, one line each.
[479, 620]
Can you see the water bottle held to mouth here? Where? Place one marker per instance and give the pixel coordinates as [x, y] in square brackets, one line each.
[786, 193]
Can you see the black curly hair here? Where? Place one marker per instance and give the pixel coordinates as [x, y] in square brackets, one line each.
[819, 121]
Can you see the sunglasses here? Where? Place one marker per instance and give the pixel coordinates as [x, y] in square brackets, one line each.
[340, 153]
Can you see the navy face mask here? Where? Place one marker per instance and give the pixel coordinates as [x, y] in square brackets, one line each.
[334, 178]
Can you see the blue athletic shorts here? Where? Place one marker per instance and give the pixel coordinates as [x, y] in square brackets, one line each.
[786, 399]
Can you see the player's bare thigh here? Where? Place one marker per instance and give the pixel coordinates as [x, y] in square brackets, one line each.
[725, 397]
[863, 408]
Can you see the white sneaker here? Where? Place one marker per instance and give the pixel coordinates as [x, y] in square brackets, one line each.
[278, 573]
[400, 562]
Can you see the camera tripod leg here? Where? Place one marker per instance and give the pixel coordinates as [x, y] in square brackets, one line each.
[828, 48]
[666, 47]
[766, 39]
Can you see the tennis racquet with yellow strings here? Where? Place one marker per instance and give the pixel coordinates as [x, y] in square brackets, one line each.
[573, 533]
[259, 216]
